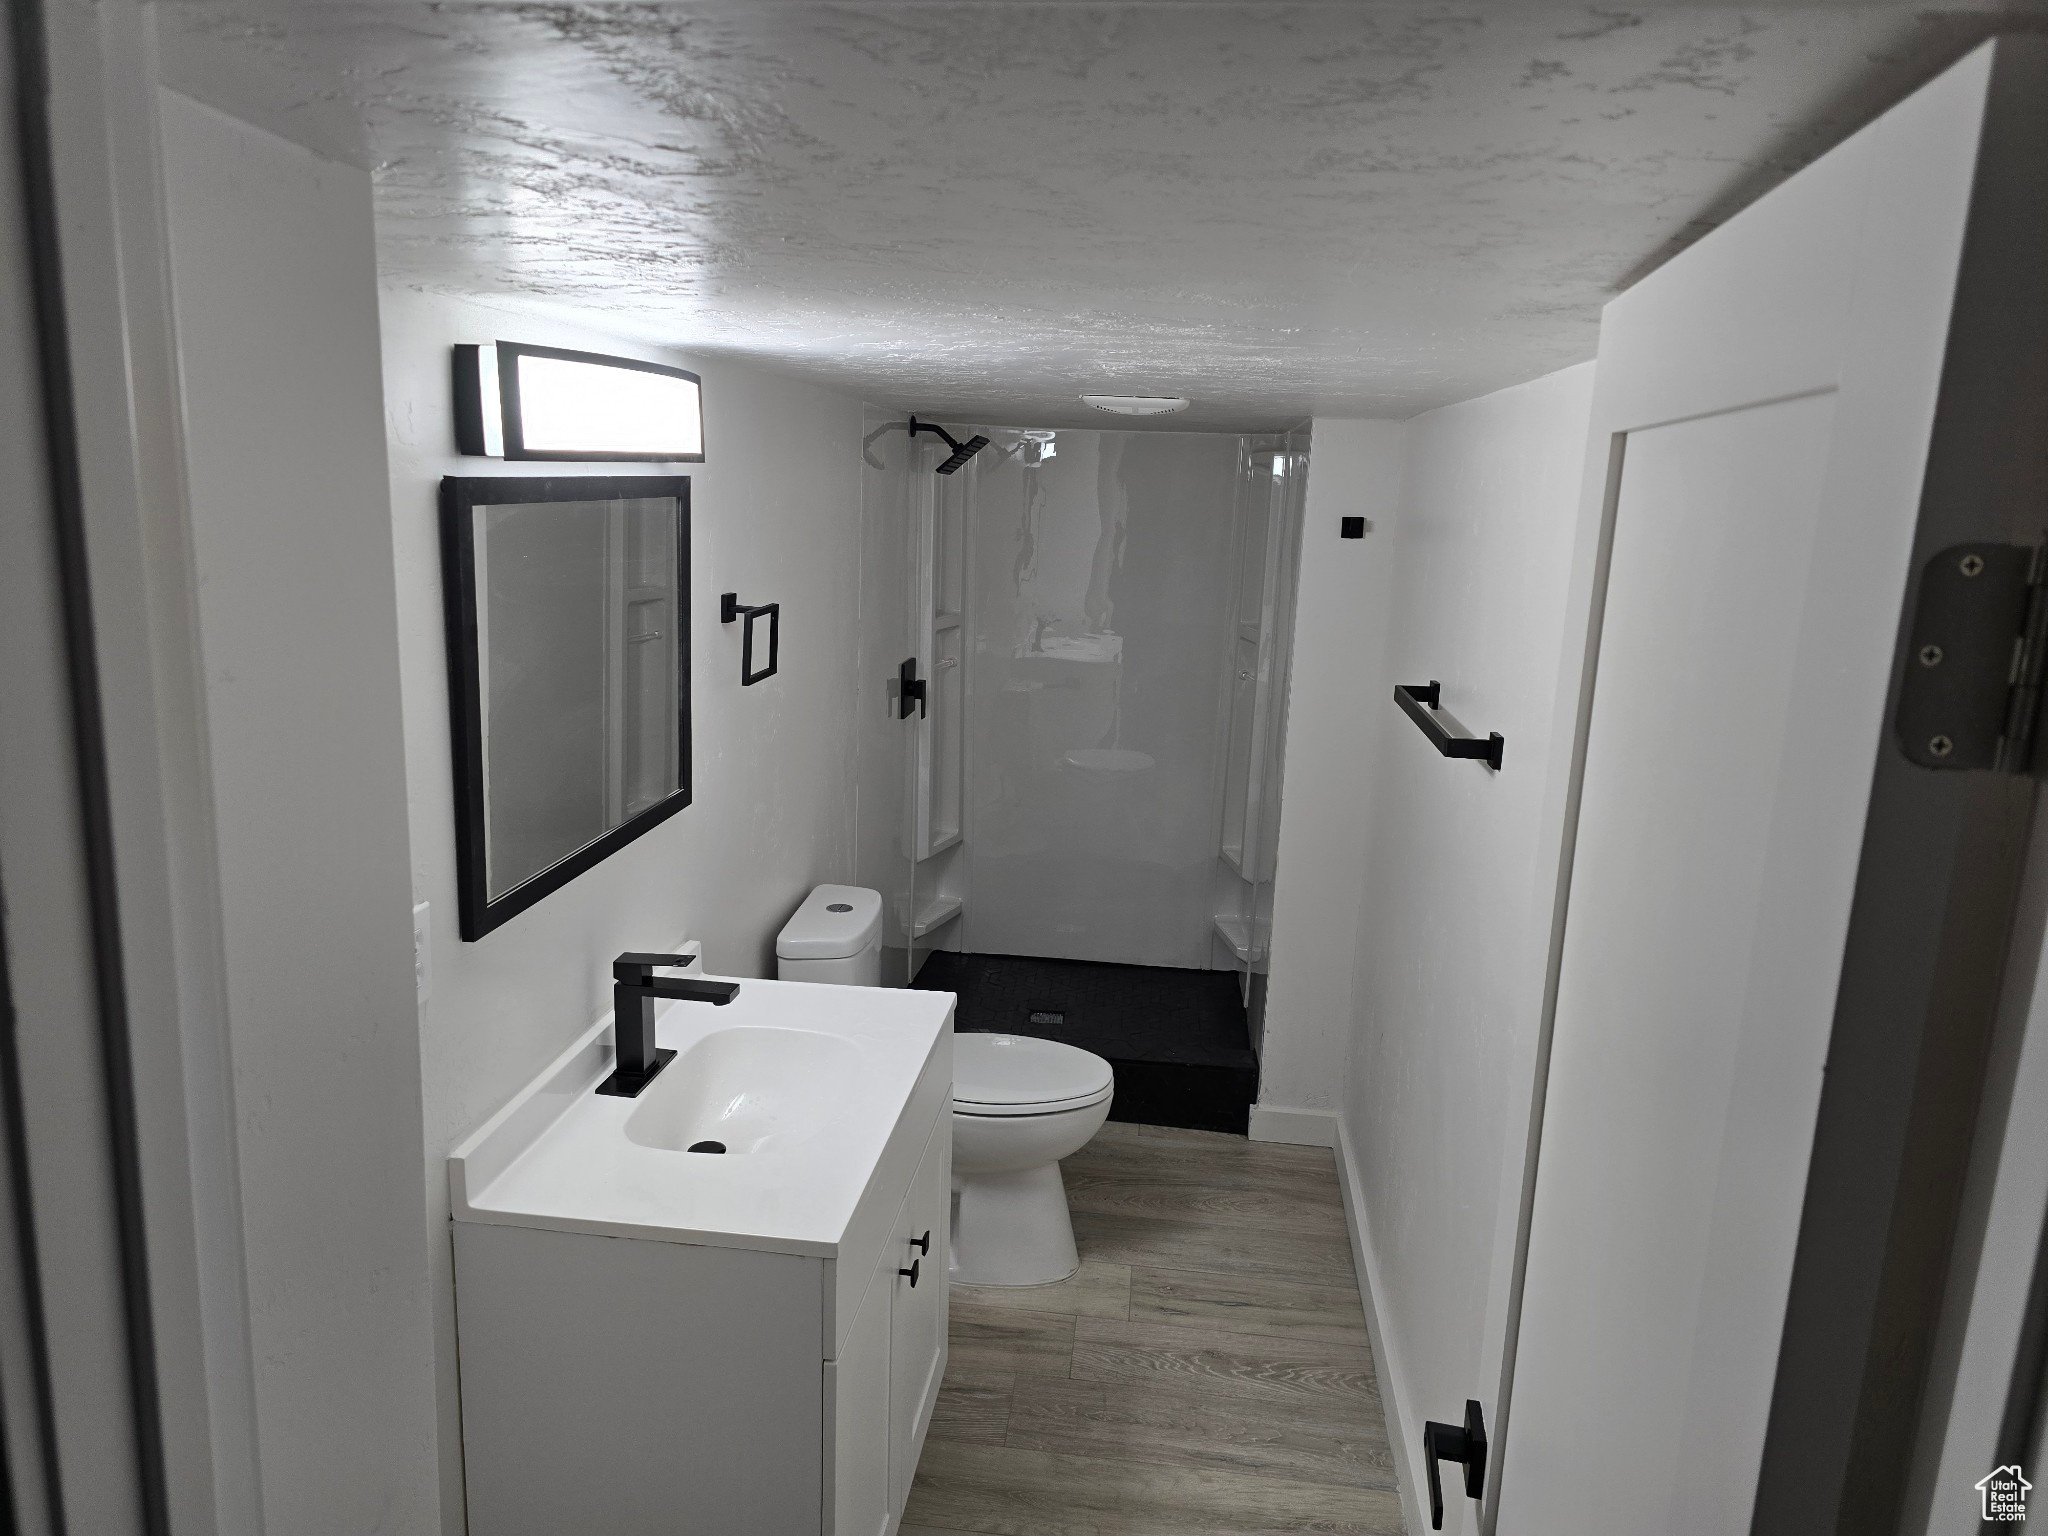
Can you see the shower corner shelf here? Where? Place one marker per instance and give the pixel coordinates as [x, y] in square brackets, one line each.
[1243, 937]
[935, 914]
[1234, 857]
[939, 845]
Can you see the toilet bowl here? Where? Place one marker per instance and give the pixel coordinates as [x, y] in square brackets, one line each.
[1019, 1106]
[835, 936]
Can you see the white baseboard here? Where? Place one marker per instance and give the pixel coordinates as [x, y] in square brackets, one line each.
[1296, 1127]
[1393, 1384]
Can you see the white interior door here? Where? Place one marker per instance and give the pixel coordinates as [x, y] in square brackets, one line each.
[641, 741]
[1707, 909]
[1765, 418]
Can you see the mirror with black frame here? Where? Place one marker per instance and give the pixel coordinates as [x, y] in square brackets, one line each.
[568, 603]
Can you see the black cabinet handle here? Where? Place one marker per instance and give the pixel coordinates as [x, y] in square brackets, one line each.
[1421, 703]
[1449, 1442]
[922, 1244]
[912, 1272]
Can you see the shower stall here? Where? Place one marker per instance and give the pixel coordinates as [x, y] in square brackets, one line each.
[1069, 781]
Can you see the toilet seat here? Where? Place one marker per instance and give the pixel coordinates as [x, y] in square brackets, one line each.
[1013, 1111]
[999, 1075]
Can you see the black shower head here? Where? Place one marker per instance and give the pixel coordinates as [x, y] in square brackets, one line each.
[962, 452]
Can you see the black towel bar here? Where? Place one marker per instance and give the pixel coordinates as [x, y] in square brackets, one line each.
[1421, 703]
[730, 608]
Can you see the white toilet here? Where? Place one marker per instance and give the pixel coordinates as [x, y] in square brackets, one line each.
[1019, 1106]
[835, 936]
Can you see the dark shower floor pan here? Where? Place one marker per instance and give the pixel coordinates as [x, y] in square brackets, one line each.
[1177, 1039]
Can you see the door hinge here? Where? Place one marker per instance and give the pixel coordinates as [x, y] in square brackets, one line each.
[1971, 693]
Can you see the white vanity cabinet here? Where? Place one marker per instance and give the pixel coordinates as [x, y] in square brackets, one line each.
[917, 1309]
[621, 1378]
[880, 1390]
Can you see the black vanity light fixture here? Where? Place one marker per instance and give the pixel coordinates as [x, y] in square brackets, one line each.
[731, 609]
[513, 401]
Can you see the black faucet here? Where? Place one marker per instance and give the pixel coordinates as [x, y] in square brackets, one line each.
[634, 989]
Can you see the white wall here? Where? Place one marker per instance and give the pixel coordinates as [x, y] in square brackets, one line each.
[775, 516]
[1449, 937]
[274, 286]
[328, 714]
[1407, 933]
[1333, 715]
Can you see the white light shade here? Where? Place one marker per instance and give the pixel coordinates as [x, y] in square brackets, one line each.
[523, 402]
[1138, 405]
[571, 406]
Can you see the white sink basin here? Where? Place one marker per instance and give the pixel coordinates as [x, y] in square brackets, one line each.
[749, 1090]
[803, 1084]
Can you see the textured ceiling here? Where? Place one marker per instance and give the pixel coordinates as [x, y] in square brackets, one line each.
[982, 209]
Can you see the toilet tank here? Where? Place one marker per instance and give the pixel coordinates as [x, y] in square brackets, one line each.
[835, 936]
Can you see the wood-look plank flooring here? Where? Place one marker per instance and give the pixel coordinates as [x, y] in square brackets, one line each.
[1206, 1373]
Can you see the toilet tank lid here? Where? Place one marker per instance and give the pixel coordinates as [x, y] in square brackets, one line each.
[816, 932]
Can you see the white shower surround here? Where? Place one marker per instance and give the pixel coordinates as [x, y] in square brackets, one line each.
[1099, 607]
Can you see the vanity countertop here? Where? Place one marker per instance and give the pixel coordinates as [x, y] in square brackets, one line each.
[565, 1157]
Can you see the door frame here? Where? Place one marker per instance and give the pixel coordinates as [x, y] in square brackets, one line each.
[126, 1276]
[1943, 858]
